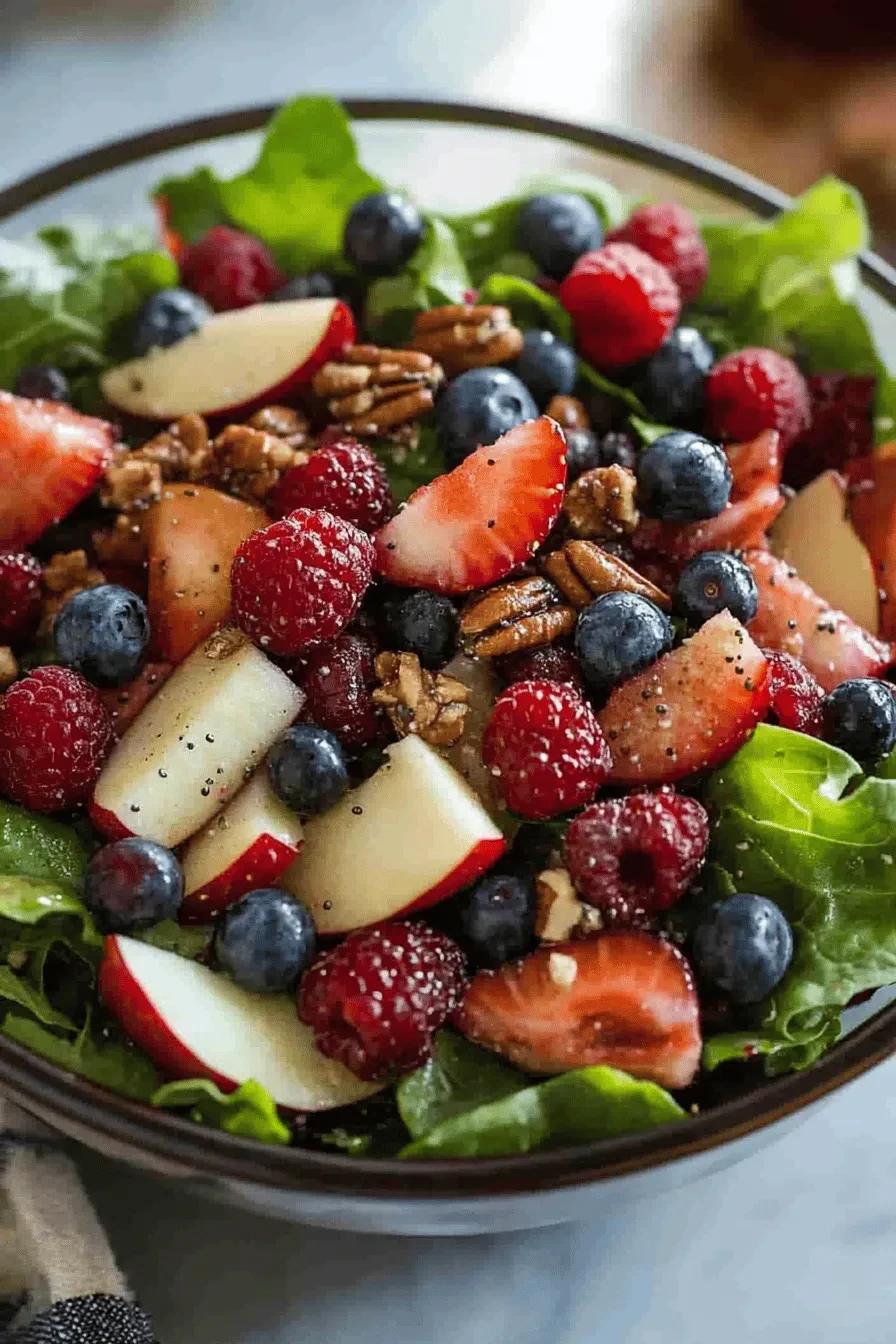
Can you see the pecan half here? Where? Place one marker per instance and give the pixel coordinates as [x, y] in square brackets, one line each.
[601, 503]
[372, 391]
[583, 571]
[465, 336]
[431, 706]
[569, 412]
[523, 614]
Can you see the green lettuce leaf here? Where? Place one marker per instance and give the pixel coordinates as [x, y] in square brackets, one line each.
[92, 1056]
[249, 1111]
[409, 468]
[646, 430]
[459, 1077]
[35, 846]
[187, 940]
[435, 275]
[529, 305]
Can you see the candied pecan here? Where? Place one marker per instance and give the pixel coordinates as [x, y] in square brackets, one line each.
[465, 336]
[9, 668]
[182, 451]
[432, 706]
[569, 412]
[522, 614]
[284, 422]
[601, 503]
[583, 571]
[131, 482]
[248, 463]
[372, 391]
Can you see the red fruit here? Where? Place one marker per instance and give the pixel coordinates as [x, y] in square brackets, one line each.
[346, 479]
[124, 703]
[872, 511]
[841, 429]
[692, 709]
[375, 1001]
[20, 596]
[337, 678]
[624, 998]
[792, 618]
[755, 389]
[623, 304]
[230, 269]
[633, 857]
[545, 749]
[55, 733]
[795, 695]
[170, 239]
[50, 459]
[299, 580]
[552, 662]
[668, 233]
[473, 526]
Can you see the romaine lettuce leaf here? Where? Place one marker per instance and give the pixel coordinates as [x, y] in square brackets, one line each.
[248, 1111]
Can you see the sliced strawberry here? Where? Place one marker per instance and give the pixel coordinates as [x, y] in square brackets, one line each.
[51, 457]
[124, 703]
[170, 239]
[476, 524]
[872, 510]
[792, 618]
[754, 464]
[691, 709]
[624, 998]
[192, 535]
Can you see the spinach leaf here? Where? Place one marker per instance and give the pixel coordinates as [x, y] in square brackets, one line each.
[459, 1077]
[529, 305]
[248, 1111]
[646, 430]
[90, 1055]
[34, 846]
[409, 468]
[187, 940]
[435, 275]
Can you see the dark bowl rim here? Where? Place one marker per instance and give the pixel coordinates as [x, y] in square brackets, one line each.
[173, 1142]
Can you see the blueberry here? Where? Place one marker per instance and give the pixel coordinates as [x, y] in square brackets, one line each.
[382, 233]
[555, 230]
[711, 582]
[423, 623]
[166, 318]
[308, 769]
[617, 636]
[316, 285]
[497, 918]
[131, 884]
[266, 940]
[103, 633]
[683, 478]
[743, 947]
[43, 382]
[670, 383]
[477, 408]
[547, 366]
[860, 717]
[586, 450]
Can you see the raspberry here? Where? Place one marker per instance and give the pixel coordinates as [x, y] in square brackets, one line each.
[623, 304]
[20, 596]
[343, 477]
[230, 269]
[752, 390]
[55, 733]
[337, 677]
[670, 235]
[841, 428]
[635, 856]
[375, 1001]
[553, 662]
[299, 580]
[796, 697]
[545, 748]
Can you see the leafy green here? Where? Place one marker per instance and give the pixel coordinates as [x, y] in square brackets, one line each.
[435, 275]
[600, 383]
[459, 1077]
[102, 1061]
[409, 468]
[249, 1111]
[35, 846]
[529, 305]
[646, 430]
[187, 940]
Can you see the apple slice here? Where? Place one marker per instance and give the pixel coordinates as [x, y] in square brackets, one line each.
[194, 1023]
[815, 535]
[236, 361]
[246, 846]
[195, 743]
[408, 837]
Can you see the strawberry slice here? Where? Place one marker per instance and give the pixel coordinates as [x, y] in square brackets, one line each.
[691, 709]
[51, 457]
[474, 525]
[624, 998]
[792, 618]
[872, 510]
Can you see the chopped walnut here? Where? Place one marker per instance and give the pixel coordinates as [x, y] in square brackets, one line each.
[9, 668]
[601, 503]
[131, 482]
[285, 423]
[249, 462]
[430, 706]
[182, 451]
[123, 544]
[67, 573]
[224, 643]
[560, 915]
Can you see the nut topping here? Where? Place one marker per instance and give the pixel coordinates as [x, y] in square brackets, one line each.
[284, 423]
[464, 336]
[431, 706]
[523, 614]
[67, 573]
[601, 503]
[9, 668]
[249, 462]
[569, 413]
[583, 571]
[372, 391]
[560, 915]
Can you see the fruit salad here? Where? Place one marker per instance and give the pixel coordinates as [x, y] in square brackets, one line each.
[445, 700]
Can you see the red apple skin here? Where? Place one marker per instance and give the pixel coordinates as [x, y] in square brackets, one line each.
[258, 866]
[477, 862]
[106, 822]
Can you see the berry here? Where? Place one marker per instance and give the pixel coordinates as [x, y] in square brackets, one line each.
[133, 883]
[337, 677]
[669, 233]
[623, 998]
[755, 389]
[230, 269]
[472, 527]
[633, 857]
[583, 453]
[477, 408]
[860, 717]
[376, 1000]
[43, 382]
[103, 634]
[715, 581]
[551, 662]
[307, 769]
[265, 940]
[497, 918]
[617, 448]
[315, 285]
[683, 478]
[841, 427]
[166, 318]
[299, 580]
[671, 383]
[796, 697]
[545, 749]
[52, 458]
[423, 623]
[382, 233]
[55, 734]
[617, 636]
[554, 230]
[743, 947]
[343, 477]
[623, 305]
[548, 367]
[20, 596]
